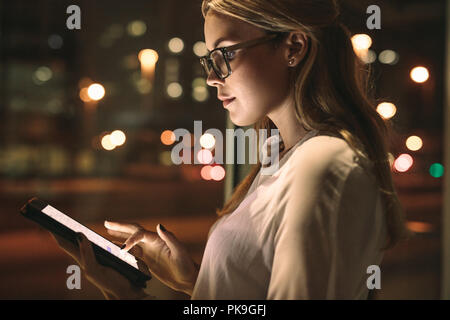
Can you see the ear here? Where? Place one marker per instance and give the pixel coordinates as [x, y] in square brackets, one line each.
[296, 48]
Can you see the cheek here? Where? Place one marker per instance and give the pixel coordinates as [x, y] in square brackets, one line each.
[263, 85]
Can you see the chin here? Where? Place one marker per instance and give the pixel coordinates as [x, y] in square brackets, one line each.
[241, 122]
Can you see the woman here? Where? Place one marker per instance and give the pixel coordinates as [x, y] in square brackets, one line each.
[310, 229]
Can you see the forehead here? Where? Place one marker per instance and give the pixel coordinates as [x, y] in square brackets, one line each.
[218, 26]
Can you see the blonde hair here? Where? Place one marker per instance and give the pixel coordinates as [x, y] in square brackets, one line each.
[332, 89]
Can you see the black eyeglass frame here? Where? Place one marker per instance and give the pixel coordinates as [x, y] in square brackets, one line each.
[208, 64]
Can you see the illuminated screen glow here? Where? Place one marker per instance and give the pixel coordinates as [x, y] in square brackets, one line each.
[91, 235]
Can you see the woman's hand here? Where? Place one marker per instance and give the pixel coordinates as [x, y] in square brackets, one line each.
[164, 255]
[112, 284]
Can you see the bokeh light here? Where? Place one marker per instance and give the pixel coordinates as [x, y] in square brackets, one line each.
[107, 144]
[168, 137]
[437, 170]
[419, 74]
[200, 49]
[217, 173]
[204, 156]
[207, 141]
[414, 143]
[43, 74]
[200, 94]
[176, 45]
[148, 57]
[367, 56]
[361, 42]
[118, 137]
[96, 91]
[206, 172]
[136, 28]
[388, 57]
[403, 162]
[174, 90]
[386, 109]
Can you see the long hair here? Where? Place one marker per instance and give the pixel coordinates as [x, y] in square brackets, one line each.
[332, 90]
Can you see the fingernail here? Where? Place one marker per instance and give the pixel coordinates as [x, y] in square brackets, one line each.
[162, 227]
[123, 246]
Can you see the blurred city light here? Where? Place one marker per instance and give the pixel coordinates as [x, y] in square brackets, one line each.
[206, 172]
[43, 74]
[204, 156]
[419, 227]
[200, 49]
[148, 57]
[96, 91]
[403, 162]
[437, 170]
[176, 45]
[207, 141]
[167, 137]
[414, 143]
[136, 28]
[386, 109]
[217, 173]
[388, 57]
[361, 42]
[419, 74]
[118, 138]
[107, 144]
[367, 56]
[174, 90]
[200, 94]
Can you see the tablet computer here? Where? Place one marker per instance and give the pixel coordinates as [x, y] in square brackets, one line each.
[106, 252]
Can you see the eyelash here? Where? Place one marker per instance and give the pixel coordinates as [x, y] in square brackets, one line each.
[229, 53]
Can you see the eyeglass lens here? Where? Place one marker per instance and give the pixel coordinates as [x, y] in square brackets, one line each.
[218, 63]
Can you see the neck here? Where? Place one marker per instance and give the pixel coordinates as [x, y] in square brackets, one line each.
[285, 119]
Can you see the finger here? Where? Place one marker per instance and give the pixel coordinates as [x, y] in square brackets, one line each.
[118, 234]
[169, 238]
[137, 251]
[122, 227]
[133, 240]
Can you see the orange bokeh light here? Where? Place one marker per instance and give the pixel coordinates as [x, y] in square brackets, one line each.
[168, 137]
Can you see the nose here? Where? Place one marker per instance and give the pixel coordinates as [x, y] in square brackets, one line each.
[213, 80]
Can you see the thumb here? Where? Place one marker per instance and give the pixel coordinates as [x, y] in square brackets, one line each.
[169, 238]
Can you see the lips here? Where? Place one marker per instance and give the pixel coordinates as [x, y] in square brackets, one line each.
[227, 102]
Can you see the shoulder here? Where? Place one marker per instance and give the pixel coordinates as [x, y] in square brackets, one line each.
[323, 167]
[322, 155]
[322, 172]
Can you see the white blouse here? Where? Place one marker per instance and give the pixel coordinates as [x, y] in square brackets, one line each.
[310, 230]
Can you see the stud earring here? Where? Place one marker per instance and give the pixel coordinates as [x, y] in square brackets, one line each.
[291, 62]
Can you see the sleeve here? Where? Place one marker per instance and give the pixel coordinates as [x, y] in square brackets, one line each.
[304, 241]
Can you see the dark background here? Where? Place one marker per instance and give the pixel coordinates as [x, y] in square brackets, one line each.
[49, 136]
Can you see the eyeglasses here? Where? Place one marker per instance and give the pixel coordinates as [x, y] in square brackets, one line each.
[218, 59]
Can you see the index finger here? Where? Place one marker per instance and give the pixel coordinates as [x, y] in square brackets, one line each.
[122, 227]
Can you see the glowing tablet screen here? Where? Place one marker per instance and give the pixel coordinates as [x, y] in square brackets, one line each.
[91, 235]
